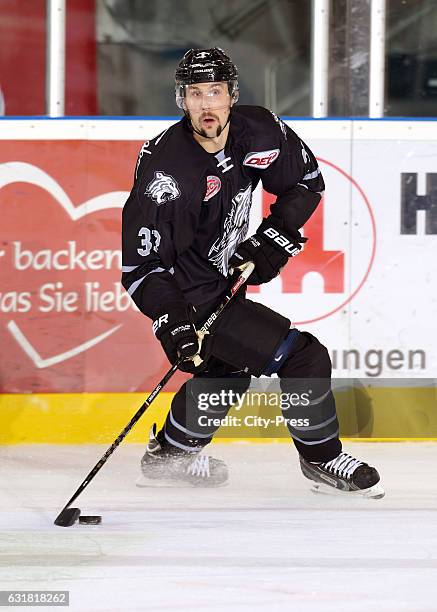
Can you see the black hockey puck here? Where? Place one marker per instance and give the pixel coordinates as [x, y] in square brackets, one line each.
[90, 520]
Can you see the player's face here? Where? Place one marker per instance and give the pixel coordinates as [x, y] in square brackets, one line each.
[208, 105]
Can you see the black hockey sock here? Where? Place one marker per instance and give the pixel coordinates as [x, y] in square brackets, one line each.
[307, 374]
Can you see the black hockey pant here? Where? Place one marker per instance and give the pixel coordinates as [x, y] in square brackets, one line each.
[258, 341]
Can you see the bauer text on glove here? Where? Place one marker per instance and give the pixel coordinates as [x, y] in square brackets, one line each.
[269, 248]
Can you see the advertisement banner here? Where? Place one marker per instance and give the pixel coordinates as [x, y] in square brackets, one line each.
[364, 283]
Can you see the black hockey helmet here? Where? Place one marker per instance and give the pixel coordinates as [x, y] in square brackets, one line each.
[204, 66]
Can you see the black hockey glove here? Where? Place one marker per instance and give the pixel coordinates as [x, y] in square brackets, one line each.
[269, 249]
[177, 334]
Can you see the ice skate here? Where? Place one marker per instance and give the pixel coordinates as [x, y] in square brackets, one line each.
[344, 475]
[163, 465]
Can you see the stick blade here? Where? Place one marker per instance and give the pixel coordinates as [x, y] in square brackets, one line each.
[67, 517]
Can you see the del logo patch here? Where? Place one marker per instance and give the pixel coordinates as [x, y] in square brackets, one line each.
[261, 159]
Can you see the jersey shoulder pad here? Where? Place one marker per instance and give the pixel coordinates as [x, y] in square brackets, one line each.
[260, 125]
[149, 147]
[263, 135]
[258, 118]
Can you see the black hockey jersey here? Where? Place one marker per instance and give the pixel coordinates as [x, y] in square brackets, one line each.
[189, 209]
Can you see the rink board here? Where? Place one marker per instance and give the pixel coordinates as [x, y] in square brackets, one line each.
[384, 413]
[364, 284]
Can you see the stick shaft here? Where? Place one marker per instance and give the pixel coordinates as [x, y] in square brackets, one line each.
[139, 413]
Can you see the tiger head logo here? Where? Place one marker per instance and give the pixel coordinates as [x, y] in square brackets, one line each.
[162, 188]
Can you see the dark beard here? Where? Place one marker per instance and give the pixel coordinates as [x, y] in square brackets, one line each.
[202, 132]
[219, 131]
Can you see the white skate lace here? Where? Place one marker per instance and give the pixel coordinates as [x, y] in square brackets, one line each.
[199, 467]
[344, 465]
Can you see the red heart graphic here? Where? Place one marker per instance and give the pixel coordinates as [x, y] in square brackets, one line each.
[66, 323]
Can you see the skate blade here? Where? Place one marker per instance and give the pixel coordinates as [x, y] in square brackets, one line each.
[375, 492]
[161, 483]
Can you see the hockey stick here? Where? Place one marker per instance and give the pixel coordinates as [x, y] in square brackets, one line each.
[68, 516]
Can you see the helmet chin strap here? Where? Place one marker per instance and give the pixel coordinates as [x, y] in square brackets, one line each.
[187, 115]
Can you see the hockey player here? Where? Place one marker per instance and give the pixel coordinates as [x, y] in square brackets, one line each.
[184, 231]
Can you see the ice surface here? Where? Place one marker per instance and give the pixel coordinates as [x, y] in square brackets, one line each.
[265, 541]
